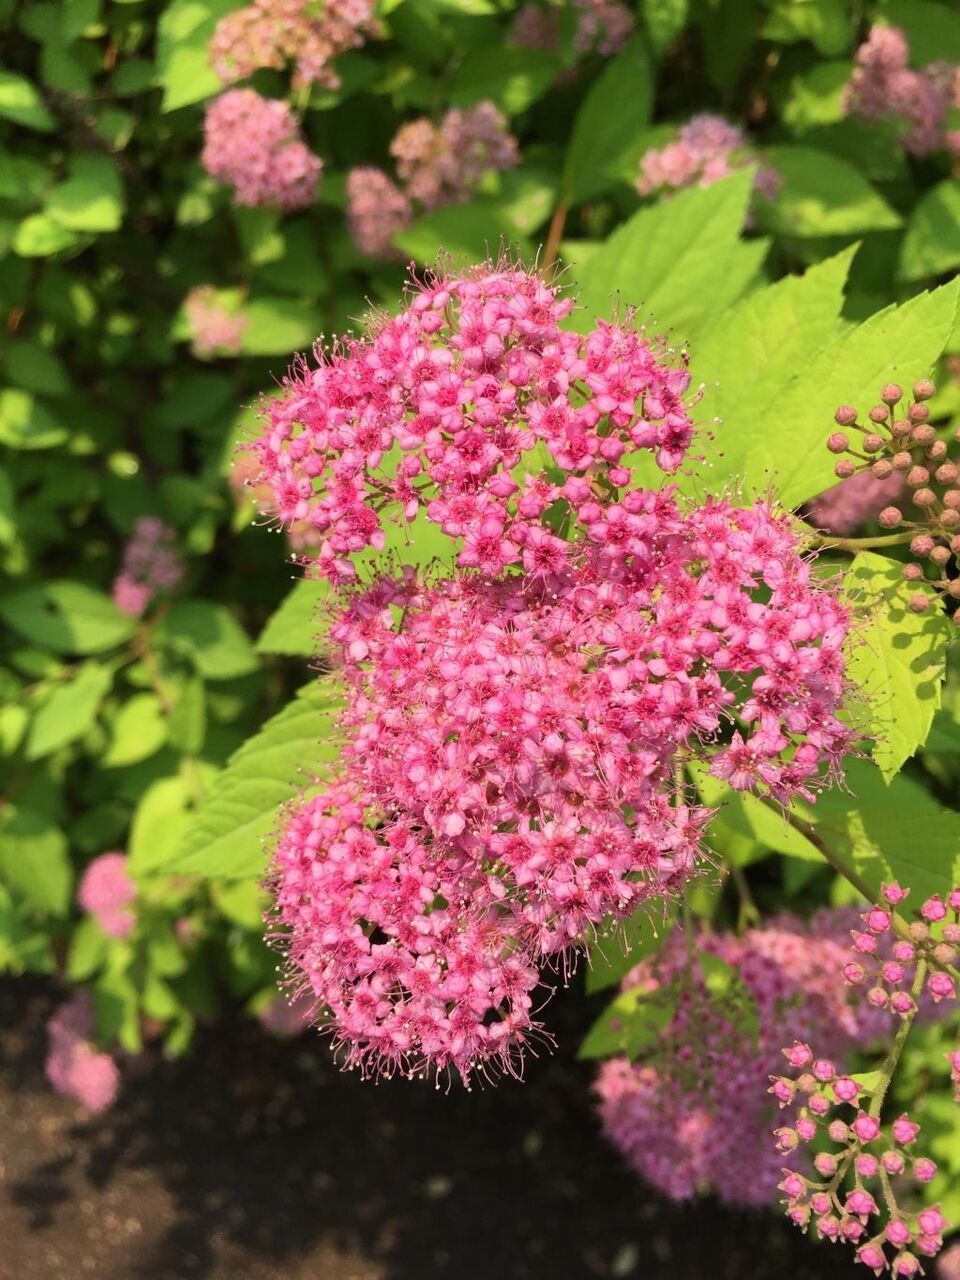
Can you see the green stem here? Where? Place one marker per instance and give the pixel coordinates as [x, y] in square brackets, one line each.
[896, 1049]
[862, 544]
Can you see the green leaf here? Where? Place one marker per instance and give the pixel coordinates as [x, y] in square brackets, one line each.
[607, 138]
[752, 353]
[68, 617]
[826, 23]
[932, 29]
[225, 839]
[8, 508]
[36, 368]
[931, 245]
[41, 236]
[897, 661]
[69, 712]
[138, 730]
[279, 326]
[816, 96]
[891, 831]
[821, 195]
[91, 199]
[183, 60]
[160, 822]
[748, 817]
[681, 260]
[467, 232]
[89, 948]
[187, 725]
[899, 342]
[510, 77]
[728, 33]
[630, 1023]
[34, 860]
[665, 19]
[20, 102]
[210, 637]
[27, 423]
[614, 954]
[292, 629]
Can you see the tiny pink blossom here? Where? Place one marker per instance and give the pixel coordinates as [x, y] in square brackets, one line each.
[106, 892]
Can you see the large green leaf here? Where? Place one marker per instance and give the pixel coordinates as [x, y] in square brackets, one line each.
[91, 198]
[279, 326]
[931, 245]
[226, 838]
[681, 262]
[138, 730]
[211, 637]
[467, 232]
[69, 712]
[68, 617]
[183, 59]
[932, 29]
[897, 659]
[160, 822]
[607, 137]
[788, 444]
[34, 860]
[20, 102]
[510, 77]
[821, 195]
[292, 629]
[825, 23]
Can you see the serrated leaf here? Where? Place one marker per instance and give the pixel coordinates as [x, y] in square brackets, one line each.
[897, 661]
[68, 617]
[292, 629]
[821, 195]
[211, 637]
[607, 138]
[931, 245]
[680, 261]
[69, 712]
[225, 839]
[902, 343]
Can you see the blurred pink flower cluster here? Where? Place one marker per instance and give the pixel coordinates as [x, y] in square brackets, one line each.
[707, 148]
[150, 565]
[74, 1066]
[308, 33]
[436, 164]
[214, 330]
[106, 892]
[253, 144]
[694, 1114]
[601, 25]
[883, 86]
[843, 508]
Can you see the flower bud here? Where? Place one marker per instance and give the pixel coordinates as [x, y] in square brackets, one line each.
[824, 1069]
[906, 1265]
[892, 972]
[893, 1162]
[793, 1186]
[861, 1204]
[921, 545]
[924, 389]
[889, 517]
[949, 519]
[799, 1054]
[901, 429]
[867, 1166]
[952, 499]
[953, 589]
[912, 572]
[891, 393]
[879, 413]
[851, 1229]
[940, 555]
[838, 1131]
[877, 920]
[872, 1256]
[845, 416]
[943, 953]
[924, 497]
[918, 413]
[787, 1139]
[923, 434]
[934, 908]
[828, 1226]
[917, 476]
[905, 1130]
[924, 1170]
[853, 973]
[937, 451]
[838, 443]
[806, 1128]
[951, 932]
[898, 1233]
[918, 603]
[783, 1090]
[902, 461]
[866, 1127]
[940, 986]
[845, 1089]
[931, 1221]
[873, 443]
[819, 1104]
[882, 468]
[955, 545]
[825, 1164]
[902, 1004]
[877, 998]
[820, 1203]
[893, 893]
[845, 469]
[953, 900]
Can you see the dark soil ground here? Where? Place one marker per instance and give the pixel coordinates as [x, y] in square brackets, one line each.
[255, 1159]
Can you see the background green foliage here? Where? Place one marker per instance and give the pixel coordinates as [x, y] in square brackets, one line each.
[176, 737]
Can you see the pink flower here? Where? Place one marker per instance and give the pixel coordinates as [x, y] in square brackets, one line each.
[252, 144]
[214, 330]
[151, 566]
[376, 210]
[106, 892]
[707, 148]
[74, 1066]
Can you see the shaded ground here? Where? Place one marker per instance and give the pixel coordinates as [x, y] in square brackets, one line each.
[258, 1160]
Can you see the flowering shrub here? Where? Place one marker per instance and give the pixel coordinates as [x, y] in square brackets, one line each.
[616, 618]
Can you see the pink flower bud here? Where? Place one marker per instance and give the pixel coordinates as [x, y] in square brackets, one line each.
[845, 1089]
[845, 416]
[799, 1054]
[820, 1203]
[828, 1227]
[905, 1264]
[898, 1233]
[877, 998]
[838, 1131]
[940, 986]
[933, 909]
[902, 1003]
[861, 1204]
[893, 1162]
[838, 443]
[867, 1165]
[879, 413]
[904, 952]
[787, 1139]
[872, 443]
[918, 413]
[921, 545]
[866, 1127]
[905, 1130]
[953, 900]
[825, 1164]
[851, 1229]
[931, 1221]
[819, 1104]
[783, 1090]
[919, 932]
[877, 920]
[793, 1186]
[891, 393]
[865, 943]
[924, 390]
[892, 972]
[845, 469]
[889, 517]
[853, 973]
[806, 1128]
[873, 1257]
[924, 1169]
[929, 1246]
[824, 1069]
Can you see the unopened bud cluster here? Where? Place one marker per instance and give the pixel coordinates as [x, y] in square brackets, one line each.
[898, 439]
[861, 1167]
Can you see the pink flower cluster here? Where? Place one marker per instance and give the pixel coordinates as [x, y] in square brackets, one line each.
[74, 1066]
[708, 148]
[883, 87]
[302, 537]
[150, 566]
[840, 1111]
[437, 164]
[253, 144]
[601, 25]
[214, 330]
[309, 33]
[693, 1114]
[845, 507]
[106, 892]
[471, 378]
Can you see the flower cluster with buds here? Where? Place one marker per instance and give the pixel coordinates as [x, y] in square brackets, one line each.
[846, 506]
[603, 26]
[693, 1110]
[150, 566]
[253, 144]
[311, 35]
[106, 892]
[74, 1066]
[706, 149]
[855, 1146]
[884, 87]
[436, 164]
[902, 442]
[214, 330]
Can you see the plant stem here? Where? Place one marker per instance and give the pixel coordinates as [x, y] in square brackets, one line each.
[554, 236]
[896, 1049]
[862, 544]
